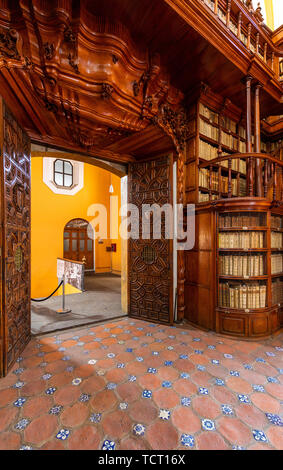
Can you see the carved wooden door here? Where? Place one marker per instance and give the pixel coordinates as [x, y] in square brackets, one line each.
[150, 261]
[15, 239]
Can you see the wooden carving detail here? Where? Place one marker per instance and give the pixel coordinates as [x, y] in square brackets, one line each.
[16, 232]
[48, 50]
[258, 15]
[150, 260]
[174, 123]
[73, 63]
[71, 39]
[10, 46]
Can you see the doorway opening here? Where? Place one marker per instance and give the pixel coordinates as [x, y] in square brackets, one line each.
[79, 243]
[64, 201]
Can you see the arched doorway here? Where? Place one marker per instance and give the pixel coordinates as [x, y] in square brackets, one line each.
[78, 242]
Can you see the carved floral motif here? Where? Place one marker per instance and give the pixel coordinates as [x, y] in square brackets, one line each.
[9, 40]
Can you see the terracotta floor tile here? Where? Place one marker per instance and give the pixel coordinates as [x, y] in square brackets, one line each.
[36, 406]
[41, 429]
[7, 396]
[67, 395]
[116, 424]
[7, 416]
[9, 441]
[54, 444]
[265, 402]
[186, 420]
[276, 390]
[74, 415]
[84, 438]
[129, 392]
[239, 385]
[166, 398]
[162, 436]
[104, 401]
[108, 402]
[210, 440]
[205, 407]
[251, 416]
[131, 443]
[143, 411]
[185, 387]
[275, 436]
[232, 429]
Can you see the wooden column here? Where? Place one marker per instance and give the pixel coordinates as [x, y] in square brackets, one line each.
[180, 253]
[248, 115]
[249, 136]
[258, 169]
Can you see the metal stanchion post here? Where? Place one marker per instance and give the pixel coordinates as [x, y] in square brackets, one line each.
[63, 309]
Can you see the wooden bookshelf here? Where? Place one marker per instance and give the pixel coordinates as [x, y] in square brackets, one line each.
[217, 130]
[234, 281]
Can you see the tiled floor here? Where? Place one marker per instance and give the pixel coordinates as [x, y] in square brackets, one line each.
[101, 301]
[134, 385]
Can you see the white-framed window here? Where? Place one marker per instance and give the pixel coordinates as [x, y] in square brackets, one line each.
[63, 173]
[63, 176]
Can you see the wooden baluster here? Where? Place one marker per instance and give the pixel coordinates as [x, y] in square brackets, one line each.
[210, 182]
[265, 178]
[265, 52]
[251, 177]
[274, 181]
[249, 36]
[257, 43]
[229, 178]
[272, 61]
[239, 25]
[216, 7]
[228, 13]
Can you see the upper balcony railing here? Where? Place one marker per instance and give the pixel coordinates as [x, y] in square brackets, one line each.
[247, 25]
[266, 182]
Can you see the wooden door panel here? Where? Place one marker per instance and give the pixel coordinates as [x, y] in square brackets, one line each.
[15, 239]
[81, 249]
[150, 273]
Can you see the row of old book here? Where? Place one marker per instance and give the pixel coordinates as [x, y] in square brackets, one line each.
[237, 165]
[245, 240]
[276, 221]
[207, 151]
[205, 176]
[242, 296]
[208, 130]
[229, 140]
[242, 265]
[248, 219]
[277, 291]
[208, 113]
[204, 197]
[276, 240]
[276, 264]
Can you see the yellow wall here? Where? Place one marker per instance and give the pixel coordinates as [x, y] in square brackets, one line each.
[50, 213]
[116, 256]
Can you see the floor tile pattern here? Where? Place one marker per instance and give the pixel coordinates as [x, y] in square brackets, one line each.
[130, 384]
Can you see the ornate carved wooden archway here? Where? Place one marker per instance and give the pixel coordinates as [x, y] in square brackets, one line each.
[83, 81]
[80, 82]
